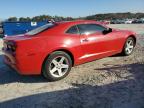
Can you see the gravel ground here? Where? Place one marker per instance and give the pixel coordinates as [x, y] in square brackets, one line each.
[138, 28]
[112, 82]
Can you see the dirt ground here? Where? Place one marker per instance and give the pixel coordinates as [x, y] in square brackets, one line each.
[112, 82]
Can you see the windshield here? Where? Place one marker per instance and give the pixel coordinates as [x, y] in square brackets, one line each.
[40, 29]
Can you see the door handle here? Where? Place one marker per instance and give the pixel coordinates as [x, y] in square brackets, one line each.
[85, 40]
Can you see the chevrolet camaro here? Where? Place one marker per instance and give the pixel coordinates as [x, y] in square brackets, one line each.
[52, 49]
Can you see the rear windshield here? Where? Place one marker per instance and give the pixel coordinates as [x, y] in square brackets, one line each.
[40, 29]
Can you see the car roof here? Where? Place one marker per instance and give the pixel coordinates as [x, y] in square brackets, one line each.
[65, 25]
[79, 22]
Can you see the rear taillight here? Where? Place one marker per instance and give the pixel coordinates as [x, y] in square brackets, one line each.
[10, 45]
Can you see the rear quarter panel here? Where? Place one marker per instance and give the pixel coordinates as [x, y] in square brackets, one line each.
[32, 52]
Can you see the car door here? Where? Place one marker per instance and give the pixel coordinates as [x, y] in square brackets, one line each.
[94, 43]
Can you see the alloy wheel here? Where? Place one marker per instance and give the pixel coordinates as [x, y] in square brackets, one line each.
[129, 46]
[59, 66]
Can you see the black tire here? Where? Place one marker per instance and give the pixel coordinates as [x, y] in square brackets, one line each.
[46, 71]
[125, 52]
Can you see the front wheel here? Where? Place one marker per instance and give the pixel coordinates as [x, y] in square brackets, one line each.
[129, 46]
[57, 66]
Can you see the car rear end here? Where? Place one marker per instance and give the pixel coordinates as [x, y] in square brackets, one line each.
[23, 53]
[26, 53]
[9, 50]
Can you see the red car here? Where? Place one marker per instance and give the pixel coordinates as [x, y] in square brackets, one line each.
[51, 50]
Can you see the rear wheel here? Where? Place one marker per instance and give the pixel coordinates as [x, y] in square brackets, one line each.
[129, 46]
[57, 66]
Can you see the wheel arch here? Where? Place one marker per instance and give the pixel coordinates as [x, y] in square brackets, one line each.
[134, 37]
[64, 50]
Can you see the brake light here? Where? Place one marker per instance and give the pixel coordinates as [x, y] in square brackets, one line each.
[11, 45]
[13, 48]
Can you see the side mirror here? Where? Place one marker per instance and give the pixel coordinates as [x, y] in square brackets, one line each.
[109, 30]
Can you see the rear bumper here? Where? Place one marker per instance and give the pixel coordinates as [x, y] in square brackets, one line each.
[23, 64]
[10, 60]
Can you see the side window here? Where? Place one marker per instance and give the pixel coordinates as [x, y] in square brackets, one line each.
[72, 30]
[90, 28]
